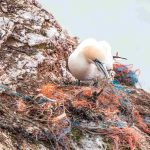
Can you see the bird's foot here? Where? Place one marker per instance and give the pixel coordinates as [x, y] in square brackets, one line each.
[78, 83]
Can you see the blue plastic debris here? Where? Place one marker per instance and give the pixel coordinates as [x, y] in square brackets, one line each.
[10, 92]
[120, 124]
[120, 87]
[41, 100]
[26, 97]
[75, 123]
[126, 104]
[132, 77]
[64, 130]
[125, 75]
[122, 68]
[147, 120]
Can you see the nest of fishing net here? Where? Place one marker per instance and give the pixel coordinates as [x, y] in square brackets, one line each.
[125, 74]
[51, 116]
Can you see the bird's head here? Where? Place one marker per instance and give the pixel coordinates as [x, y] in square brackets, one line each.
[93, 54]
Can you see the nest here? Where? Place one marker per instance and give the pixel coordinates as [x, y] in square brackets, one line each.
[125, 74]
[50, 116]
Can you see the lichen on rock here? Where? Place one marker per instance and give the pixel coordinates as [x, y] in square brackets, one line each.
[22, 32]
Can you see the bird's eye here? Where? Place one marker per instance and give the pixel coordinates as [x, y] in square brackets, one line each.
[111, 72]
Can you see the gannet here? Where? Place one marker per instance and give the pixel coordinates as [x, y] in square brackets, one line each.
[91, 60]
[105, 46]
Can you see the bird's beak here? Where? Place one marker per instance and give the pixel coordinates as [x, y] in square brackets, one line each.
[101, 67]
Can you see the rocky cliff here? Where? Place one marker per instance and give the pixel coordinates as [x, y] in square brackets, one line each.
[41, 107]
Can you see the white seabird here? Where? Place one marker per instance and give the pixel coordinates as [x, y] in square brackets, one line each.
[91, 60]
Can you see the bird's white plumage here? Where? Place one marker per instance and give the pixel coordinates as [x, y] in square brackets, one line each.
[105, 46]
[80, 62]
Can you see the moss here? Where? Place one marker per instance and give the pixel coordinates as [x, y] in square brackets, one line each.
[44, 46]
[124, 148]
[41, 46]
[127, 148]
[109, 142]
[76, 134]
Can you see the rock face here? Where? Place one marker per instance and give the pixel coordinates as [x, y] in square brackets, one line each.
[34, 47]
[33, 54]
[33, 51]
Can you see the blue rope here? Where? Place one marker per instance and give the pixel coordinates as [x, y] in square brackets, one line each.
[12, 93]
[126, 76]
[120, 87]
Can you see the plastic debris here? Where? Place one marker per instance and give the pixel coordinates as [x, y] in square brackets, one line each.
[7, 90]
[147, 120]
[125, 74]
[34, 48]
[111, 111]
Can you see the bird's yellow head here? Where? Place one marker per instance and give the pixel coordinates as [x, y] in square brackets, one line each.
[93, 52]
